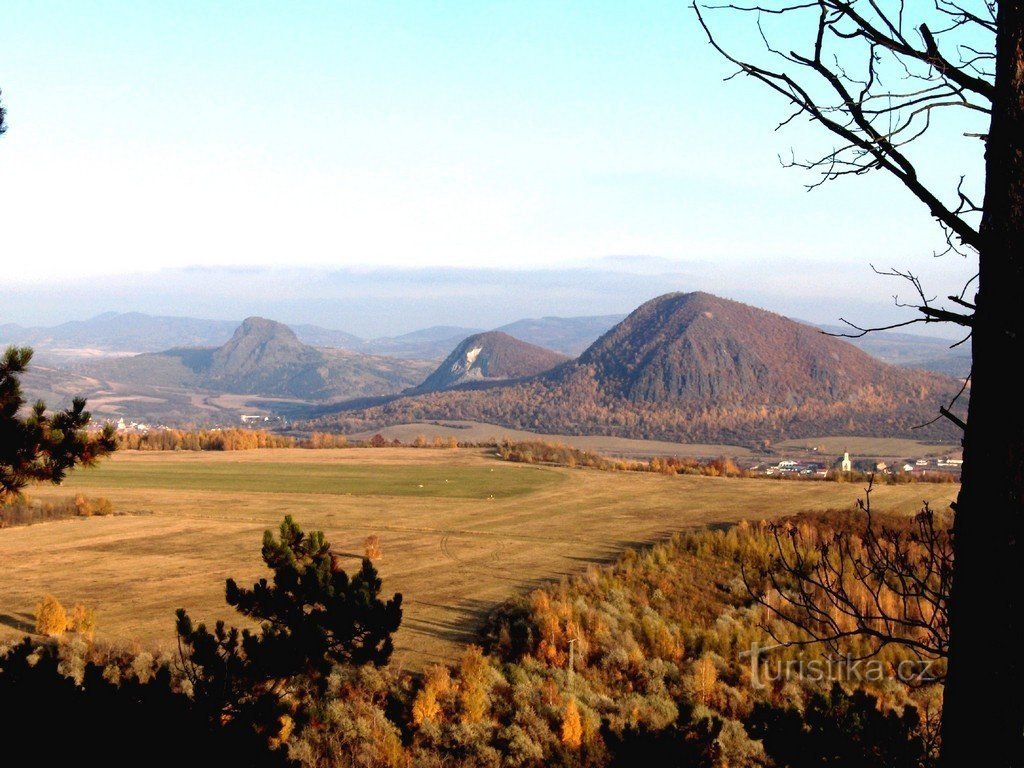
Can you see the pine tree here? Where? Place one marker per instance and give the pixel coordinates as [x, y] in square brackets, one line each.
[40, 446]
[312, 617]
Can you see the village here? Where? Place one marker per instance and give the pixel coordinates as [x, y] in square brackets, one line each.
[917, 468]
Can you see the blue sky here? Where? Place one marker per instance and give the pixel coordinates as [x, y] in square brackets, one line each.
[342, 135]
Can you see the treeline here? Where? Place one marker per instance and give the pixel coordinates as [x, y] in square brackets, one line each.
[232, 439]
[237, 439]
[24, 511]
[580, 404]
[544, 452]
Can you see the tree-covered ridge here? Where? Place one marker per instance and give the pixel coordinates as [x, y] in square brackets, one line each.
[490, 357]
[696, 368]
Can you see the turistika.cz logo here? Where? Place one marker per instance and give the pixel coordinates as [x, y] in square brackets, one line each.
[766, 671]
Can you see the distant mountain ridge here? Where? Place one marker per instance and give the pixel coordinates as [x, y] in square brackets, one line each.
[912, 350]
[264, 357]
[490, 357]
[695, 367]
[433, 343]
[568, 335]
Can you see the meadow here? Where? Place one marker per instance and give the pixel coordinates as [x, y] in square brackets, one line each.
[460, 531]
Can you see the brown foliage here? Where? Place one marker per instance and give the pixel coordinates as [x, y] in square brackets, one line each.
[371, 547]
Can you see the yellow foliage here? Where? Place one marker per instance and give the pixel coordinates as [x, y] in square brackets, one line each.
[83, 506]
[427, 706]
[572, 726]
[703, 680]
[51, 618]
[473, 685]
[371, 547]
[82, 621]
[287, 725]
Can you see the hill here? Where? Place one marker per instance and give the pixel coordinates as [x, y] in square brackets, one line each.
[489, 357]
[568, 335]
[136, 332]
[695, 367]
[431, 343]
[265, 358]
[912, 350]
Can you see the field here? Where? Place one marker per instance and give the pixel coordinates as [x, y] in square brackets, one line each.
[477, 432]
[476, 532]
[872, 447]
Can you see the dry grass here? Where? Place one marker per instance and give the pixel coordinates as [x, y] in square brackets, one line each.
[453, 558]
[478, 432]
[872, 447]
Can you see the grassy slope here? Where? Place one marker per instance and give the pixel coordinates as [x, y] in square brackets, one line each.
[453, 558]
[311, 477]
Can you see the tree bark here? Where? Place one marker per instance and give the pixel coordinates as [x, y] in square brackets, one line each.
[983, 718]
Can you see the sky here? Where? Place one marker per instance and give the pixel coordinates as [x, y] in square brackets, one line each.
[152, 141]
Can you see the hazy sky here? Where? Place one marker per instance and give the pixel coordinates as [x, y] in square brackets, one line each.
[516, 135]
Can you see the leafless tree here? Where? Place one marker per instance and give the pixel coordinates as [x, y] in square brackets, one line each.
[879, 75]
[888, 582]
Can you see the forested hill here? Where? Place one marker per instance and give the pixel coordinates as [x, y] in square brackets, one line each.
[264, 357]
[490, 357]
[692, 366]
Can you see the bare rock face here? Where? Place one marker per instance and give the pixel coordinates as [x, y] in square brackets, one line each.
[490, 357]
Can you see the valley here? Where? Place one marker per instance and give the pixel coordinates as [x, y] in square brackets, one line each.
[477, 532]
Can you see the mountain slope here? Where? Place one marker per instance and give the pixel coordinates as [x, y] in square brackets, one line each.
[695, 367]
[912, 350]
[490, 357]
[431, 343]
[135, 332]
[266, 358]
[568, 335]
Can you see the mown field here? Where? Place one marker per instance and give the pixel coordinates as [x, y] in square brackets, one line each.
[873, 447]
[478, 432]
[460, 530]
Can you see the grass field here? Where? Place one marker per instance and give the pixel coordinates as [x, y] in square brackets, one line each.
[872, 447]
[453, 549]
[478, 432]
[422, 481]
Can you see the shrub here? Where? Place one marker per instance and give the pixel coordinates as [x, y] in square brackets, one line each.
[371, 547]
[82, 621]
[51, 618]
[83, 506]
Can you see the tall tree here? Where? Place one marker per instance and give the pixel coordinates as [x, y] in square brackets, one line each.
[3, 116]
[312, 616]
[41, 446]
[878, 75]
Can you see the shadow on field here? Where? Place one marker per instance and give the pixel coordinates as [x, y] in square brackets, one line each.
[463, 628]
[613, 550]
[23, 622]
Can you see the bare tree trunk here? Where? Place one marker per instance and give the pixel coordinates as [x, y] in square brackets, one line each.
[984, 717]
